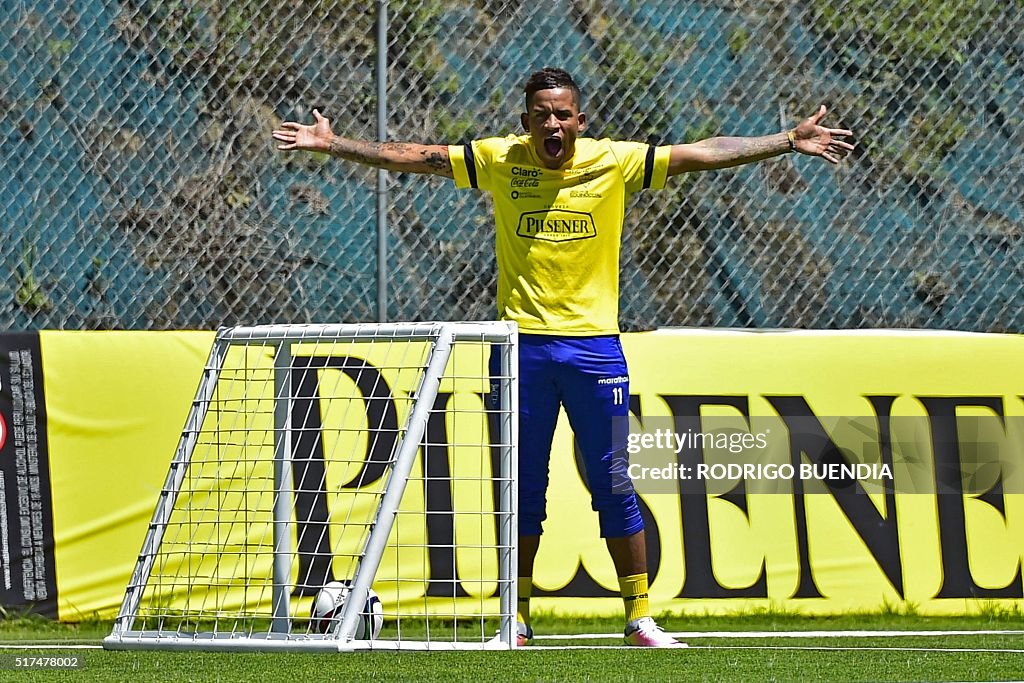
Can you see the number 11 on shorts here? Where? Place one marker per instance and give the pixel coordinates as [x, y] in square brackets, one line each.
[617, 397]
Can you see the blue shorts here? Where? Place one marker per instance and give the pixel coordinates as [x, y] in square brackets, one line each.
[588, 376]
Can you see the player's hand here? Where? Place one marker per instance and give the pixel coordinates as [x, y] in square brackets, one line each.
[315, 137]
[816, 140]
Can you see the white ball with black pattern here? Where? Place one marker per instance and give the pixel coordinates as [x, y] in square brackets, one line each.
[325, 615]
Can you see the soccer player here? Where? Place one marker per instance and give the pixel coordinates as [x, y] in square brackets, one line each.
[559, 201]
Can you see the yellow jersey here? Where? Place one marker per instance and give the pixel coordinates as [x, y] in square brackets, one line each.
[559, 231]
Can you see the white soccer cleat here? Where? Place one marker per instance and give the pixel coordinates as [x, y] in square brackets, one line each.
[646, 633]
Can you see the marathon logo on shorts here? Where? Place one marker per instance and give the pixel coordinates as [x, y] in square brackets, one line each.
[613, 380]
[556, 225]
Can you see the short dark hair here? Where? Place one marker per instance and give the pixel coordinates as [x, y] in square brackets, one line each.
[549, 78]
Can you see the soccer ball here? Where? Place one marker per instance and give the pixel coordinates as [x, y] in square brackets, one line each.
[326, 613]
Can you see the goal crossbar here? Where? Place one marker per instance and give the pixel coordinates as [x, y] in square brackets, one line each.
[460, 331]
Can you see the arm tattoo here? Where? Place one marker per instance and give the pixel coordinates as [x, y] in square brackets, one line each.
[743, 149]
[440, 163]
[394, 156]
[725, 152]
[358, 151]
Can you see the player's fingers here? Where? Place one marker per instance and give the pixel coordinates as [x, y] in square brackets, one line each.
[318, 116]
[820, 115]
[829, 158]
[843, 144]
[840, 131]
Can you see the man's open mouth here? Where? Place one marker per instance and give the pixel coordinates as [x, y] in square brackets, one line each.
[553, 146]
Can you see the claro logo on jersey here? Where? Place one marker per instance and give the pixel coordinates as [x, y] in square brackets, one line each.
[556, 225]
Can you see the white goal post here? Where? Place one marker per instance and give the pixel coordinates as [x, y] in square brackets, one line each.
[381, 455]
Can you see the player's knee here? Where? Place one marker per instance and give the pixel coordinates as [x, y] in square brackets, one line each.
[532, 511]
[531, 525]
[618, 515]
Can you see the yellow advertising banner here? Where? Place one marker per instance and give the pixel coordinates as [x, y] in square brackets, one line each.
[805, 548]
[780, 530]
[117, 402]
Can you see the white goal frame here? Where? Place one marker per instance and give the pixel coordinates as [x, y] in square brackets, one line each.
[279, 635]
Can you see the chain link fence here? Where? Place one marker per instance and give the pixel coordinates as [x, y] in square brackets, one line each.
[140, 187]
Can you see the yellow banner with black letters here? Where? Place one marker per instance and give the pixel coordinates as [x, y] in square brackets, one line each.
[115, 403]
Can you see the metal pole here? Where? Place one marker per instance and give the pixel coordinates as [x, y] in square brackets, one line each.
[382, 175]
[508, 532]
[283, 494]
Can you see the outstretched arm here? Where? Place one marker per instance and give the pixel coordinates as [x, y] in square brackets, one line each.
[404, 157]
[809, 138]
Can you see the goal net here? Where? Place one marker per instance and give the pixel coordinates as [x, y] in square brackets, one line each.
[378, 456]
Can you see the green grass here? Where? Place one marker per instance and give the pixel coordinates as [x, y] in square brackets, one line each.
[780, 658]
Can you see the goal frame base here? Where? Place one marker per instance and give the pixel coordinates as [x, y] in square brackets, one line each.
[227, 642]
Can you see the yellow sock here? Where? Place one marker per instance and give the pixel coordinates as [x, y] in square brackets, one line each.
[525, 589]
[634, 596]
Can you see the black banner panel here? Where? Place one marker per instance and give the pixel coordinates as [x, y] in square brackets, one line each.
[28, 582]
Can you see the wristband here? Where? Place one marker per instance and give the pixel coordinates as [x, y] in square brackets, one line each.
[791, 136]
